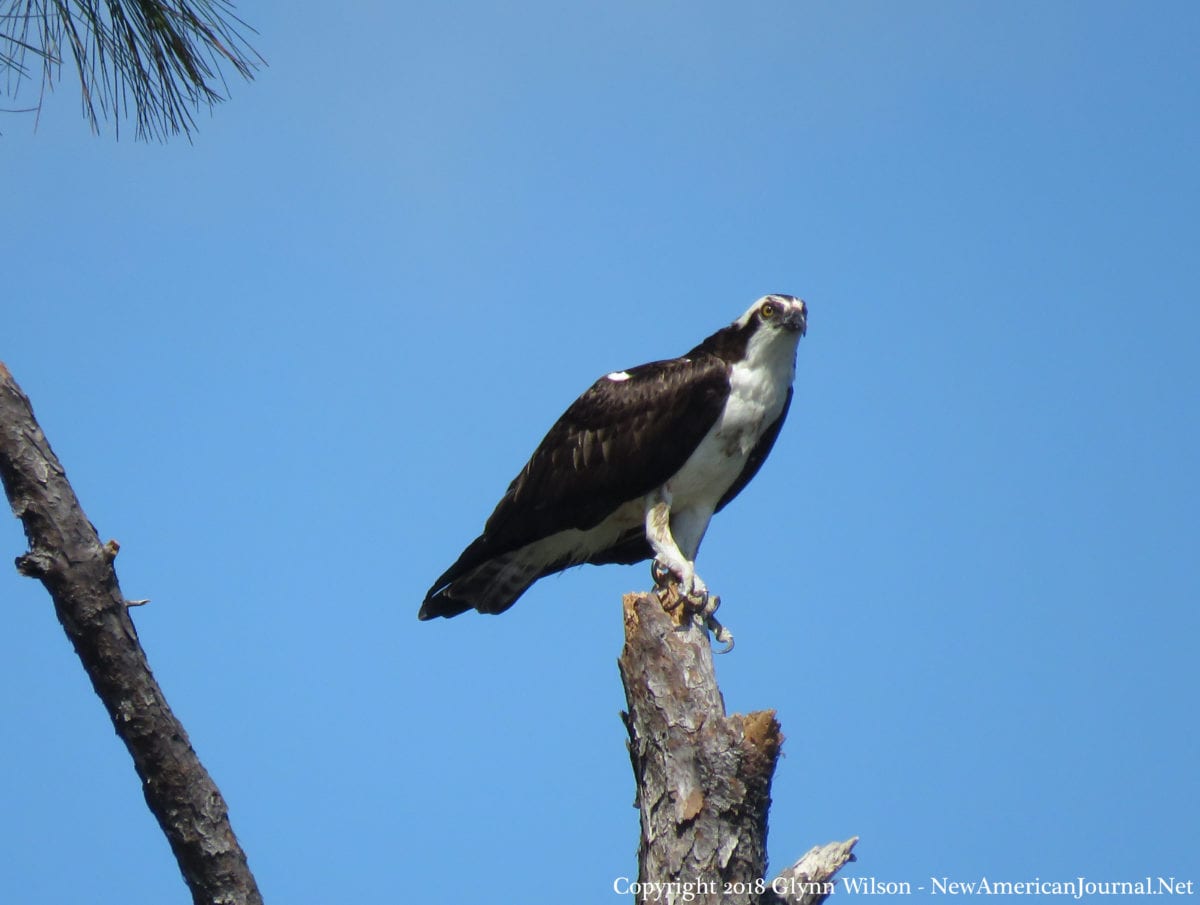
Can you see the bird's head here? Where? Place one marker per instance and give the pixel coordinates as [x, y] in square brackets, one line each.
[772, 326]
[777, 312]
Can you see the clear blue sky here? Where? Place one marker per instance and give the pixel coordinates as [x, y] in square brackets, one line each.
[292, 366]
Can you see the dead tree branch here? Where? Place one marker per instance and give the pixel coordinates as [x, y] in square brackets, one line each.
[703, 778]
[66, 555]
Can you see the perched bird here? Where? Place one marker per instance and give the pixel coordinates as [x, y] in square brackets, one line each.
[636, 467]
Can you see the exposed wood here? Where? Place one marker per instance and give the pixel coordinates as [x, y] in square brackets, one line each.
[67, 556]
[810, 880]
[703, 778]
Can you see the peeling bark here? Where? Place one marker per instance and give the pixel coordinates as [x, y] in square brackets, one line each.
[66, 555]
[703, 778]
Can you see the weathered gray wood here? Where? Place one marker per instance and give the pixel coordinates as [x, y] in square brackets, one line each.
[810, 880]
[703, 778]
[67, 556]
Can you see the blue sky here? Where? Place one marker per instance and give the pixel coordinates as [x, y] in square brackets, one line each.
[292, 366]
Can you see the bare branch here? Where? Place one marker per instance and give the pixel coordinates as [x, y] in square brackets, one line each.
[810, 880]
[67, 556]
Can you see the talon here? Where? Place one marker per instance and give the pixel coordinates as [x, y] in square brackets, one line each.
[711, 605]
[659, 573]
[720, 634]
[694, 590]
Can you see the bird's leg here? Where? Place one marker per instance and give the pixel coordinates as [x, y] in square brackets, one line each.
[666, 552]
[663, 585]
[669, 561]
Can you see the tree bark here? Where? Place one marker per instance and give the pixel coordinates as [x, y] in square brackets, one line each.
[703, 778]
[65, 553]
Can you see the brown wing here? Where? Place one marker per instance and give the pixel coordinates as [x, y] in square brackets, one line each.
[615, 443]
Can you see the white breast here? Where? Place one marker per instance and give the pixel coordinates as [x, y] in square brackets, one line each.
[757, 393]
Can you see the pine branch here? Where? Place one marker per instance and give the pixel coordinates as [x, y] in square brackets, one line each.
[703, 778]
[158, 61]
[66, 554]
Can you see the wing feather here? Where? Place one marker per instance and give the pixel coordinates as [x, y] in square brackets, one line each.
[631, 435]
[615, 443]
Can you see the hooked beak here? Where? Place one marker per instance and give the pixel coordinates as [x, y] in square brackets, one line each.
[797, 317]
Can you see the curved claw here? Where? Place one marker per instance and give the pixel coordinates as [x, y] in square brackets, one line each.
[695, 590]
[692, 592]
[660, 574]
[720, 634]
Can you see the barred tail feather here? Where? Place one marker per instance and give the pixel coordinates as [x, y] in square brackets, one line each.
[491, 583]
[491, 587]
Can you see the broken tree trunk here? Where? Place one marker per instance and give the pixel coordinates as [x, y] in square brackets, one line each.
[66, 555]
[703, 778]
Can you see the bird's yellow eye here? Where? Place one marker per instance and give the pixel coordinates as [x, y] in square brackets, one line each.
[768, 311]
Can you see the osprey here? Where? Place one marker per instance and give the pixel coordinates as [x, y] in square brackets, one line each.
[636, 467]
